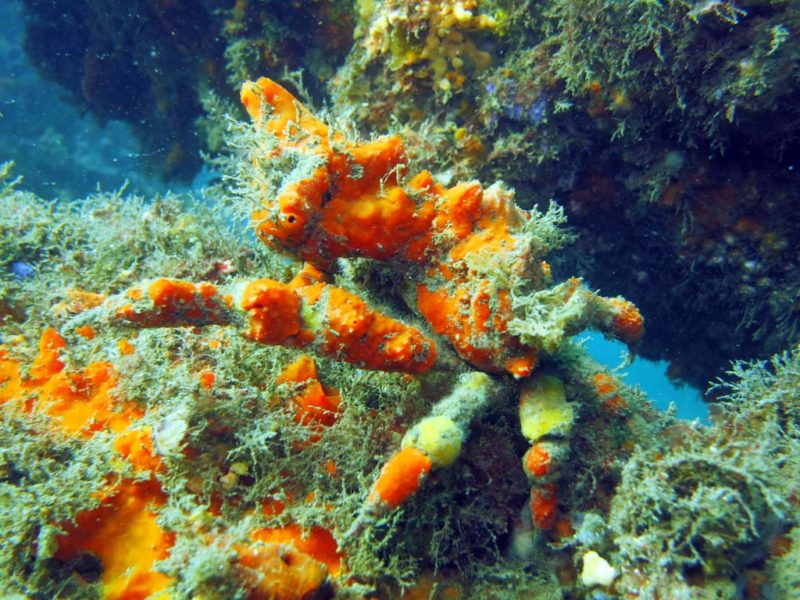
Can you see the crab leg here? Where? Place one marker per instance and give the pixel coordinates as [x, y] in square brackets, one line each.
[434, 442]
[306, 313]
[546, 420]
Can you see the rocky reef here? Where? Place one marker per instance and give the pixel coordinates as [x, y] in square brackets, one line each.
[346, 368]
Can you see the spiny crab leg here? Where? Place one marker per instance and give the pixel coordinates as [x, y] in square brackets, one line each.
[306, 313]
[434, 442]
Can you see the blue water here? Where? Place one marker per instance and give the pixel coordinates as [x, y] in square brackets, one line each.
[58, 150]
[650, 376]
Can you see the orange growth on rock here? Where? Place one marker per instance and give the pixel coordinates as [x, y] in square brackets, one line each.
[367, 338]
[170, 302]
[185, 302]
[544, 506]
[315, 405]
[627, 322]
[348, 203]
[135, 293]
[330, 468]
[400, 477]
[315, 542]
[48, 362]
[169, 292]
[563, 528]
[309, 313]
[301, 370]
[207, 379]
[78, 301]
[537, 460]
[352, 201]
[465, 317]
[86, 331]
[280, 572]
[274, 311]
[125, 347]
[608, 390]
[136, 446]
[80, 403]
[285, 109]
[271, 506]
[354, 204]
[349, 199]
[522, 366]
[10, 378]
[123, 534]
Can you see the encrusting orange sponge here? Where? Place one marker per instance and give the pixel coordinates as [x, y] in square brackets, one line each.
[315, 406]
[354, 204]
[400, 478]
[544, 506]
[627, 322]
[607, 388]
[306, 313]
[170, 302]
[122, 532]
[474, 256]
[312, 314]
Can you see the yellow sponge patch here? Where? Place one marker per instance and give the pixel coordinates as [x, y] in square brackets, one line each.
[438, 437]
[543, 408]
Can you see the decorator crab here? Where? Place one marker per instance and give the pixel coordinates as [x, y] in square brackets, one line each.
[466, 259]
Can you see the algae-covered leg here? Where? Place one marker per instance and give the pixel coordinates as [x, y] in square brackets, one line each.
[306, 313]
[546, 420]
[169, 303]
[546, 318]
[432, 443]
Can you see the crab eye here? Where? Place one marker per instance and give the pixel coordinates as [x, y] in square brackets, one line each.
[291, 225]
[292, 219]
